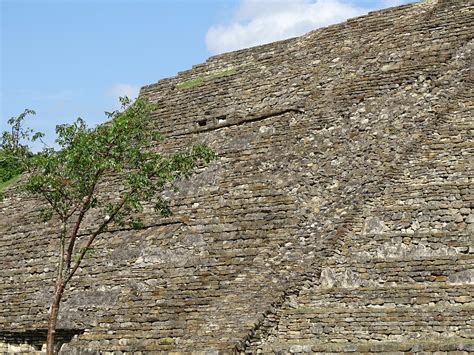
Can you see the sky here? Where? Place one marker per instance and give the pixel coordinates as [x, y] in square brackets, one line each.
[74, 58]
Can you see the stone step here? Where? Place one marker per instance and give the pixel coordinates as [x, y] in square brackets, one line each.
[384, 323]
[390, 245]
[414, 294]
[372, 272]
[438, 345]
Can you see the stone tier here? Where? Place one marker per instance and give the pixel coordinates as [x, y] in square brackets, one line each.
[343, 185]
[401, 278]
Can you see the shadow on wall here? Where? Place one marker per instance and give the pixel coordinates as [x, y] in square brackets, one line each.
[34, 340]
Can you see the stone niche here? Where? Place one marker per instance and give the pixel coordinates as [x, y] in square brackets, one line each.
[33, 341]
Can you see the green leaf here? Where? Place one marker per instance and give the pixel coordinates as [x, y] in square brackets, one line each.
[136, 223]
[46, 214]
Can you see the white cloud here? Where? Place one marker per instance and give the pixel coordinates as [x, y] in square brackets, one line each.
[120, 90]
[262, 21]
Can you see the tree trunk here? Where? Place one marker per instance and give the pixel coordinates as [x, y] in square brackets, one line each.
[53, 317]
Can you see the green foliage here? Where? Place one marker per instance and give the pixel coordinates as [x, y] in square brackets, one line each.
[200, 80]
[11, 141]
[12, 152]
[112, 170]
[71, 179]
[10, 167]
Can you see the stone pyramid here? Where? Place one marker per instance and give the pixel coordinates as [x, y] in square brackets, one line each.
[338, 217]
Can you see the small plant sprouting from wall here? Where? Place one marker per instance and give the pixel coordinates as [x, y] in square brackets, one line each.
[188, 84]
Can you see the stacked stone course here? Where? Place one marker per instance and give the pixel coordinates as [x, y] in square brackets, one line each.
[338, 217]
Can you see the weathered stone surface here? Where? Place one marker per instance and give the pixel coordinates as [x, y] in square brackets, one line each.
[338, 217]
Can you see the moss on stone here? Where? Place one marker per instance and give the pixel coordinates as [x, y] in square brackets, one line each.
[167, 341]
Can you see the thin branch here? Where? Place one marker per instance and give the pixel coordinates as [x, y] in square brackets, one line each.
[50, 191]
[69, 200]
[44, 192]
[84, 209]
[69, 215]
[54, 206]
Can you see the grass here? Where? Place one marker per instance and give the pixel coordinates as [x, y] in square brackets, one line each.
[188, 84]
[7, 183]
[166, 341]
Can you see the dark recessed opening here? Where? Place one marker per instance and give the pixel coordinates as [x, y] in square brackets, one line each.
[202, 123]
[36, 338]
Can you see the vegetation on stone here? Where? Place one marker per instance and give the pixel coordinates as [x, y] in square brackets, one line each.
[188, 84]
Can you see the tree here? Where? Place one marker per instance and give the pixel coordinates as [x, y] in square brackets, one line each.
[12, 151]
[72, 182]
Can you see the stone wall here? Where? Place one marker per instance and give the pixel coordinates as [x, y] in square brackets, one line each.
[338, 216]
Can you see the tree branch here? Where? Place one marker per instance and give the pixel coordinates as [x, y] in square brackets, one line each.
[53, 205]
[84, 209]
[94, 235]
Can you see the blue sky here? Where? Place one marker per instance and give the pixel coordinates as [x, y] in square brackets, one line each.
[73, 58]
